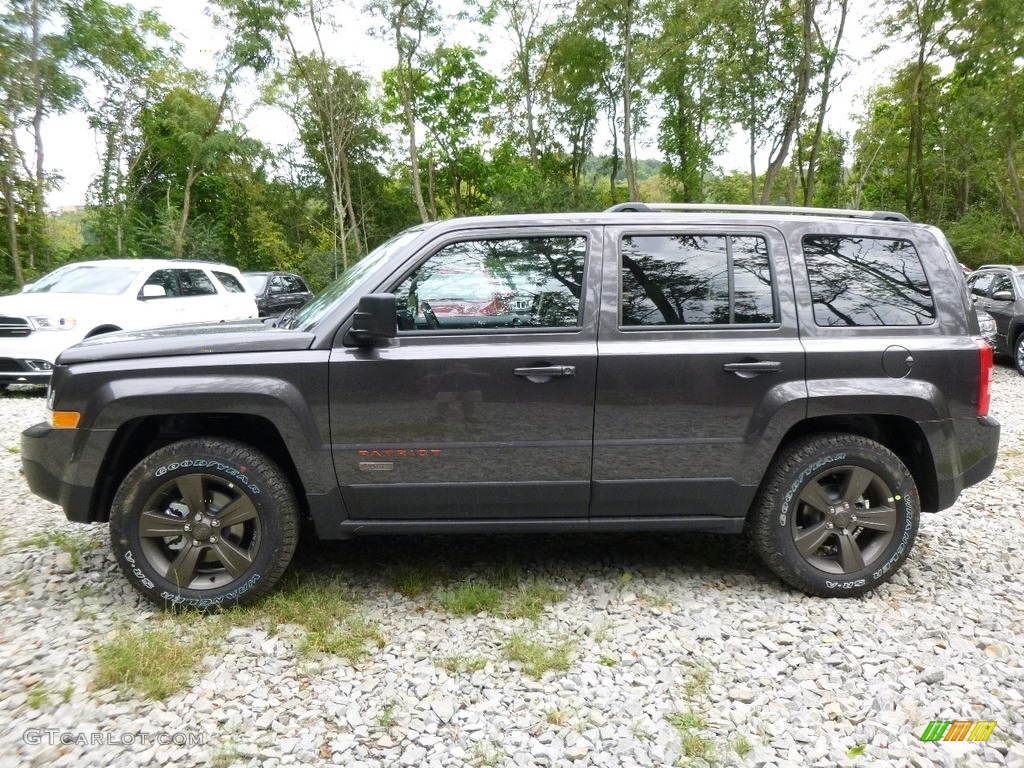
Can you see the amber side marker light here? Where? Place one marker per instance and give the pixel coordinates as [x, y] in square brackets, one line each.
[64, 419]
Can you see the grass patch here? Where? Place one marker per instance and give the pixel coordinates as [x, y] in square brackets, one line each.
[501, 595]
[73, 544]
[152, 661]
[471, 597]
[607, 661]
[13, 449]
[529, 601]
[463, 664]
[349, 639]
[324, 609]
[697, 682]
[386, 718]
[414, 580]
[484, 754]
[225, 756]
[688, 725]
[38, 696]
[741, 746]
[558, 716]
[538, 656]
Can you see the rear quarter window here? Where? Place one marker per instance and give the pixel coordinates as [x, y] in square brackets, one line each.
[230, 282]
[867, 281]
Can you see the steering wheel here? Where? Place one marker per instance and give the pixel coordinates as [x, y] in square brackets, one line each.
[429, 316]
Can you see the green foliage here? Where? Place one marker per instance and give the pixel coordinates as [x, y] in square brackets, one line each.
[153, 661]
[537, 655]
[471, 597]
[180, 174]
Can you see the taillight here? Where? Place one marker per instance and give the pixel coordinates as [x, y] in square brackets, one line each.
[984, 376]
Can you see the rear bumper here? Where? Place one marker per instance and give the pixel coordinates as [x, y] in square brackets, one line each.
[978, 440]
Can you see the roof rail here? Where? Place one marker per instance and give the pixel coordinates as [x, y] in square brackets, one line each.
[849, 213]
[999, 266]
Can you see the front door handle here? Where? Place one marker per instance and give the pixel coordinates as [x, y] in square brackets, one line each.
[755, 368]
[544, 373]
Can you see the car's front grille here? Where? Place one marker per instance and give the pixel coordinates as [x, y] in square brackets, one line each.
[13, 327]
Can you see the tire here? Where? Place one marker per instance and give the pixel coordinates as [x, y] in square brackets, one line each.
[1018, 353]
[804, 523]
[204, 523]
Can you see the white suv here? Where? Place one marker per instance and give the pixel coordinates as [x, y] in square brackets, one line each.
[84, 299]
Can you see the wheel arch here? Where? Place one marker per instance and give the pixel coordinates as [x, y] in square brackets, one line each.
[902, 436]
[139, 437]
[101, 330]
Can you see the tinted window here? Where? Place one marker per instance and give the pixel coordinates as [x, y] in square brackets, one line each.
[1002, 283]
[257, 282]
[529, 282]
[859, 281]
[979, 284]
[194, 282]
[230, 282]
[278, 285]
[695, 280]
[295, 285]
[166, 279]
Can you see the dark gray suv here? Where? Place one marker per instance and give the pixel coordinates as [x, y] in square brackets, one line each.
[814, 379]
[999, 290]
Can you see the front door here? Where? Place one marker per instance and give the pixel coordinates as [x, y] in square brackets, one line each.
[483, 407]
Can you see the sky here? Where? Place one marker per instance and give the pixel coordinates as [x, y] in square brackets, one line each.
[73, 149]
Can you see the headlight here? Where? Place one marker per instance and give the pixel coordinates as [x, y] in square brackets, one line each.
[52, 322]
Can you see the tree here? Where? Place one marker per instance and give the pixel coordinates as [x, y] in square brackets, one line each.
[924, 24]
[407, 23]
[686, 57]
[454, 98]
[252, 26]
[124, 50]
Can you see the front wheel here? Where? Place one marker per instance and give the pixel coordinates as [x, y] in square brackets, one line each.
[836, 516]
[1018, 353]
[204, 523]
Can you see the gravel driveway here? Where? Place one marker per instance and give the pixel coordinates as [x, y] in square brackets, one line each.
[676, 650]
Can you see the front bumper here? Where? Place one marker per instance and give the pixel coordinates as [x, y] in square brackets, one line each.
[49, 463]
[30, 359]
[15, 371]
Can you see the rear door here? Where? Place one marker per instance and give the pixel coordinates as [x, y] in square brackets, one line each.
[701, 370]
[483, 408]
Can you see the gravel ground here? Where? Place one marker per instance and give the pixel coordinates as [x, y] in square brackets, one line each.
[677, 646]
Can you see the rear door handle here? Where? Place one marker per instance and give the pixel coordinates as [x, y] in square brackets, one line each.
[544, 373]
[748, 370]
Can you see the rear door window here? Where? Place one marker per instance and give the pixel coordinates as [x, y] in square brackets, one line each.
[673, 280]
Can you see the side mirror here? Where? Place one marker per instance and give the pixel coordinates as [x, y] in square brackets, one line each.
[1002, 296]
[376, 318]
[151, 291]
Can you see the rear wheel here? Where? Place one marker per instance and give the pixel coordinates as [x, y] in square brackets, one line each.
[836, 516]
[204, 523]
[1018, 353]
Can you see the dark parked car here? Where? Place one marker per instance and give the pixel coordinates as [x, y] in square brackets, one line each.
[277, 292]
[998, 289]
[815, 379]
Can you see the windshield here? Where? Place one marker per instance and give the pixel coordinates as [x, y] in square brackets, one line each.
[86, 278]
[255, 281]
[315, 310]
